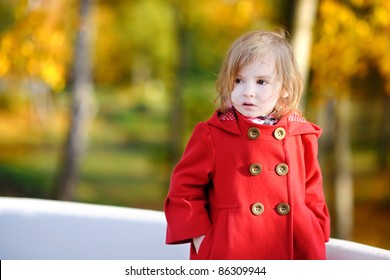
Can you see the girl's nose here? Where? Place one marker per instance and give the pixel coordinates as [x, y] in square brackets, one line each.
[249, 91]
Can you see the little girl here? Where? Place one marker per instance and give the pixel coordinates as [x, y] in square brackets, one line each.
[249, 184]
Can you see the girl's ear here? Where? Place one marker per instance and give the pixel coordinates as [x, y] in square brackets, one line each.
[284, 94]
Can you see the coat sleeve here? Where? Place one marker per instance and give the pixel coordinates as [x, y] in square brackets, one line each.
[315, 199]
[186, 204]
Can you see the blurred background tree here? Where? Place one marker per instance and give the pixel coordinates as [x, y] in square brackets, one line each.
[82, 105]
[154, 66]
[351, 86]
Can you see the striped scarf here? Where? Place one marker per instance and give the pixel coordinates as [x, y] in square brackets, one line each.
[267, 120]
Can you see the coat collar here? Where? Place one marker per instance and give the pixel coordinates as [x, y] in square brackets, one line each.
[233, 122]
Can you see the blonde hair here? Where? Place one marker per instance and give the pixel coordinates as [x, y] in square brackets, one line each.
[252, 47]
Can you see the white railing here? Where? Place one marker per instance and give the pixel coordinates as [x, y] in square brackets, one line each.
[56, 230]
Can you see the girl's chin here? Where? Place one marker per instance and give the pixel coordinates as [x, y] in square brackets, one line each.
[249, 113]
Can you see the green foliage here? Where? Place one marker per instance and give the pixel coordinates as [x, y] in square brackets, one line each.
[7, 19]
[135, 42]
[198, 101]
[23, 181]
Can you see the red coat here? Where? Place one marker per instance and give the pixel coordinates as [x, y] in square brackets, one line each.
[230, 186]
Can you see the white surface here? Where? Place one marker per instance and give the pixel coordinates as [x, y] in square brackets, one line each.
[46, 229]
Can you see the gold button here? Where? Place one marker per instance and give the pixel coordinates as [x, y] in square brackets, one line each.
[255, 169]
[283, 208]
[253, 133]
[257, 209]
[282, 169]
[280, 133]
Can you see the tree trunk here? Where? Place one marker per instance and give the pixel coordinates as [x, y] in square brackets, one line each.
[326, 120]
[384, 135]
[304, 18]
[82, 107]
[344, 194]
[176, 133]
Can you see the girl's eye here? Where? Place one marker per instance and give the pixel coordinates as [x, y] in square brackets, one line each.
[261, 82]
[237, 80]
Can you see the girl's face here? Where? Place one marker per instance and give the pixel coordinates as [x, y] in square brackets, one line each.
[256, 89]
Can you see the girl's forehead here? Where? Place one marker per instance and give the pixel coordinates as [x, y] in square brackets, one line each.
[264, 61]
[254, 55]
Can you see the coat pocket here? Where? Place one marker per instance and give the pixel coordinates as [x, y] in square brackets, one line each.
[206, 245]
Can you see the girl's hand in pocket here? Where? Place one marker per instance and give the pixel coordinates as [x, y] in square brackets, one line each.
[197, 242]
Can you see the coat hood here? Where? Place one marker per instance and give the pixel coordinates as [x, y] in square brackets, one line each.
[233, 122]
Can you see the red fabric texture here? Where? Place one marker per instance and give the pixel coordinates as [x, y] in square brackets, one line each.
[212, 191]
